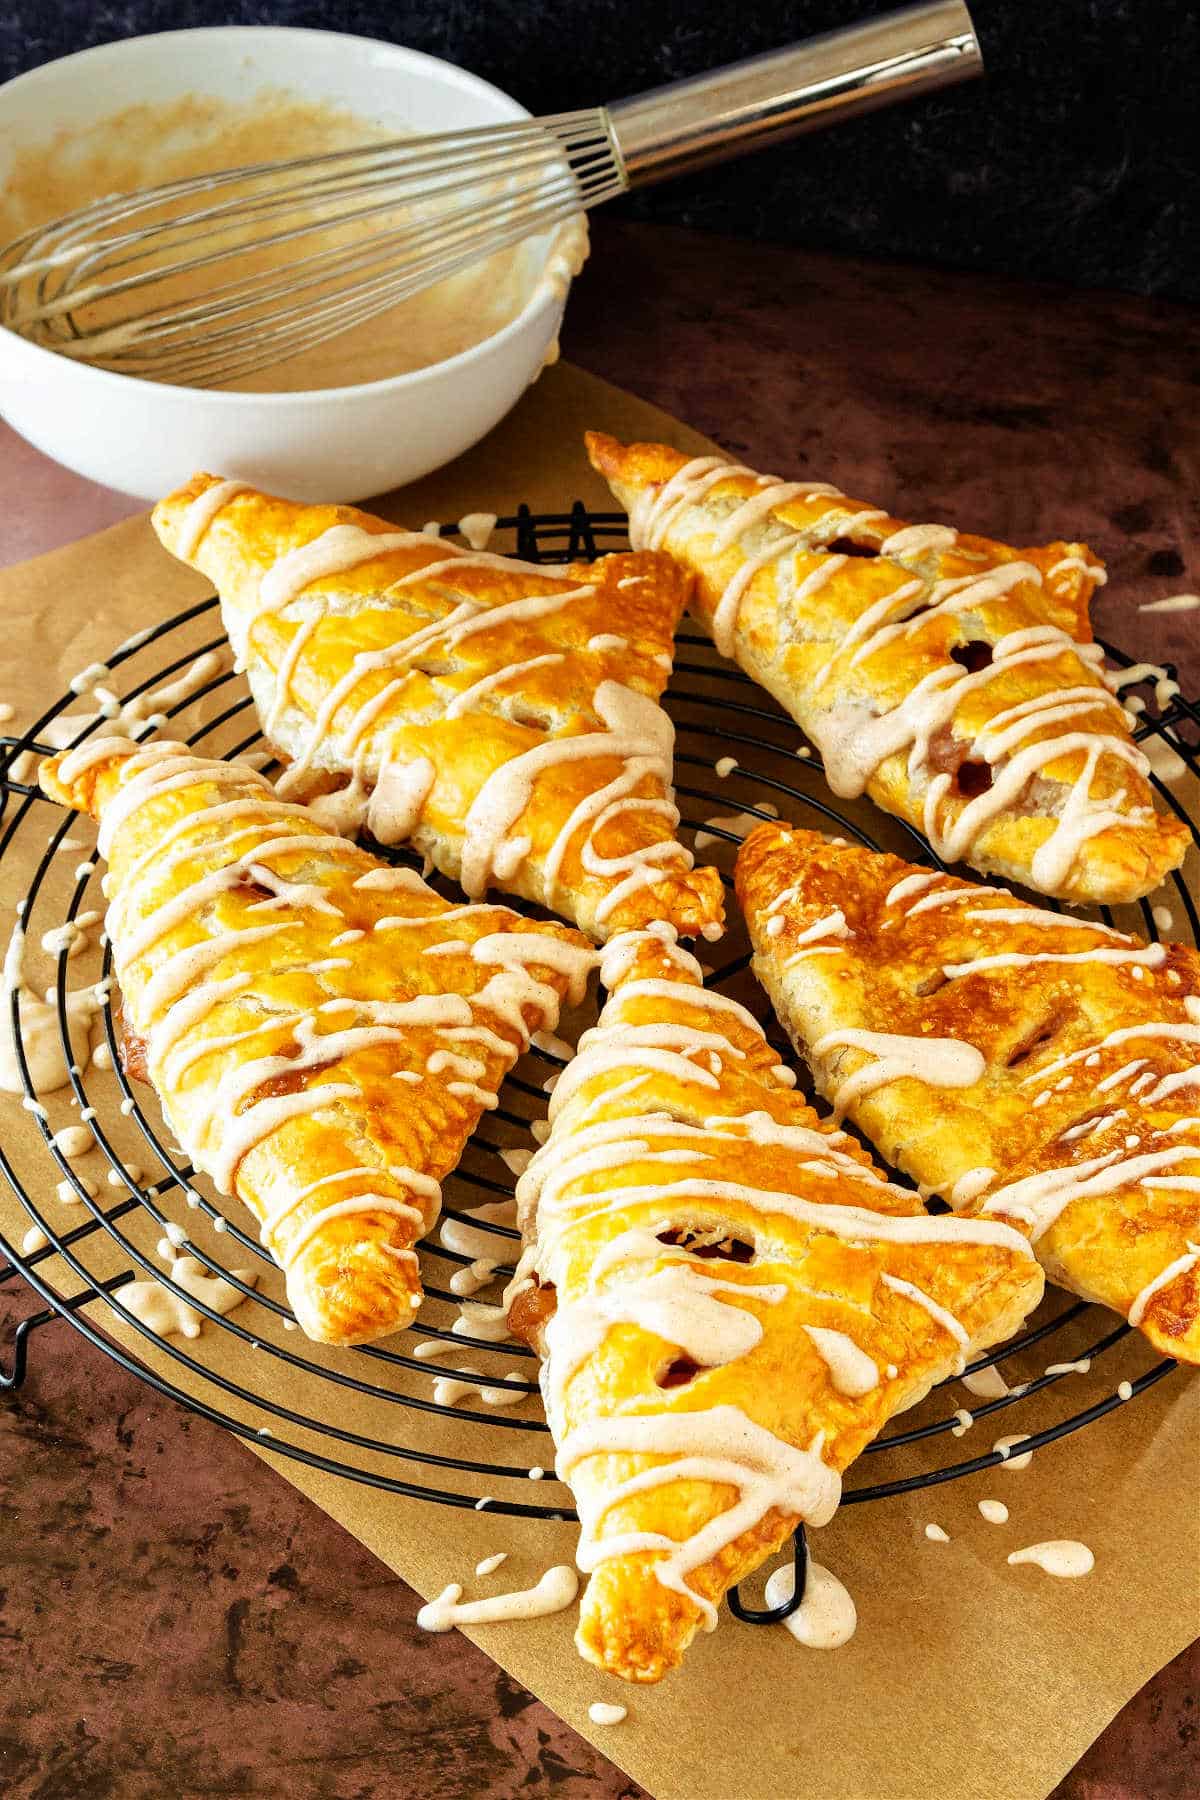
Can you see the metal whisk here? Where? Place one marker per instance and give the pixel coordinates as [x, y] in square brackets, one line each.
[292, 253]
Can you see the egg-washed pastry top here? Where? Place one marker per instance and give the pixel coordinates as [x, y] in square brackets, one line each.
[951, 678]
[1043, 1068]
[502, 716]
[730, 1298]
[323, 1031]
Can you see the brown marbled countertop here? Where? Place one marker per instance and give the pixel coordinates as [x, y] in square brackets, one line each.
[175, 1620]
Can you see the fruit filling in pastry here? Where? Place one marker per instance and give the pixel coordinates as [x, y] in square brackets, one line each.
[501, 716]
[324, 1032]
[952, 679]
[730, 1300]
[1042, 1069]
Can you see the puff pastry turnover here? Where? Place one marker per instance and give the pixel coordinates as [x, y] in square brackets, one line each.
[323, 1031]
[1044, 1068]
[951, 678]
[730, 1299]
[502, 716]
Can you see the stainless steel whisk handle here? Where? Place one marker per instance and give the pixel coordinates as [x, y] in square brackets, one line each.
[766, 99]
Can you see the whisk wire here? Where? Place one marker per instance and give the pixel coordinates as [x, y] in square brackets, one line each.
[249, 350]
[391, 153]
[235, 351]
[460, 196]
[73, 296]
[423, 246]
[340, 184]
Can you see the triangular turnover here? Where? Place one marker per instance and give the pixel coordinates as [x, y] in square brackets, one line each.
[501, 716]
[730, 1299]
[1041, 1067]
[953, 679]
[324, 1032]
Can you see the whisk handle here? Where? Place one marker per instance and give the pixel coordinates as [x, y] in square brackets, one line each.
[768, 98]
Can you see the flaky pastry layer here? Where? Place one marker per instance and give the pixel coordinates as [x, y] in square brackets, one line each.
[952, 678]
[1069, 1105]
[501, 716]
[730, 1298]
[323, 1031]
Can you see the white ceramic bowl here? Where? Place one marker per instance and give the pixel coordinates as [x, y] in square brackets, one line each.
[324, 444]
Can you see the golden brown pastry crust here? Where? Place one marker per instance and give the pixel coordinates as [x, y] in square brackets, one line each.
[674, 1089]
[384, 673]
[933, 670]
[324, 975]
[1091, 1065]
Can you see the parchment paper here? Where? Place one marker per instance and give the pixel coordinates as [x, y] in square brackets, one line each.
[966, 1678]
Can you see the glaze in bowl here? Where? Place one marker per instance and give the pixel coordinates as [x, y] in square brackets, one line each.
[329, 443]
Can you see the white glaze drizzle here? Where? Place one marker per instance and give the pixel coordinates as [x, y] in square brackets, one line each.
[200, 514]
[46, 1055]
[1176, 1030]
[1172, 603]
[912, 884]
[938, 1062]
[986, 1384]
[1039, 1199]
[1005, 1446]
[636, 728]
[607, 1712]
[1152, 956]
[348, 546]
[397, 799]
[851, 1370]
[334, 552]
[728, 608]
[448, 1390]
[826, 1617]
[469, 697]
[832, 926]
[653, 512]
[1064, 1557]
[167, 1314]
[74, 1141]
[721, 1445]
[468, 1281]
[937, 1313]
[918, 540]
[854, 741]
[477, 528]
[970, 1185]
[1093, 571]
[553, 1593]
[953, 597]
[1182, 1265]
[951, 897]
[678, 1303]
[488, 1323]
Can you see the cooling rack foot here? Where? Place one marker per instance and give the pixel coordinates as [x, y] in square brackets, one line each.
[774, 1615]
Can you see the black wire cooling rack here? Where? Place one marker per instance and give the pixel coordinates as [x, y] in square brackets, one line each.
[93, 1227]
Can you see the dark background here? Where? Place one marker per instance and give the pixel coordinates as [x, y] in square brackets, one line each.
[1077, 160]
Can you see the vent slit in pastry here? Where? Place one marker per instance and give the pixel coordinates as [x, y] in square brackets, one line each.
[1039, 1036]
[502, 716]
[951, 678]
[709, 1271]
[1081, 1127]
[307, 1050]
